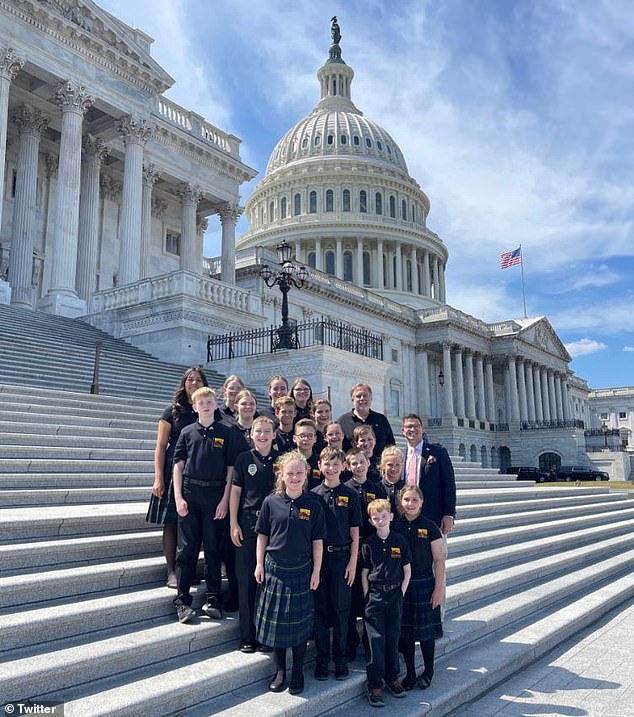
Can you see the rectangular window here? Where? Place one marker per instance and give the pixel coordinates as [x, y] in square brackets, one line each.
[604, 416]
[172, 243]
[622, 414]
[394, 355]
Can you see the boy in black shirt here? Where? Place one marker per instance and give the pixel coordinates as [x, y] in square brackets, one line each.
[285, 411]
[203, 468]
[385, 575]
[342, 509]
[305, 437]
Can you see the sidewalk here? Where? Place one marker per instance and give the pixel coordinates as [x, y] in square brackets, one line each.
[591, 675]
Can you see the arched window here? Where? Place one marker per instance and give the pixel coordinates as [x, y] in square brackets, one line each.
[379, 145]
[297, 204]
[356, 141]
[378, 203]
[271, 211]
[363, 201]
[305, 143]
[413, 212]
[330, 204]
[368, 142]
[317, 140]
[367, 278]
[261, 217]
[404, 210]
[283, 208]
[346, 200]
[331, 139]
[330, 262]
[347, 266]
[392, 206]
[344, 139]
[312, 201]
[312, 260]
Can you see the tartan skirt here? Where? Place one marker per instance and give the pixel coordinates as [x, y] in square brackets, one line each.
[284, 608]
[420, 620]
[163, 510]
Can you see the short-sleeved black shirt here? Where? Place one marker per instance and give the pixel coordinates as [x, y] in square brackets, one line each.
[314, 474]
[385, 559]
[253, 473]
[382, 429]
[342, 510]
[284, 440]
[367, 492]
[207, 451]
[391, 493]
[291, 525]
[420, 534]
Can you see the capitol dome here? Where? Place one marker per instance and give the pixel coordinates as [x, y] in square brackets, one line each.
[337, 188]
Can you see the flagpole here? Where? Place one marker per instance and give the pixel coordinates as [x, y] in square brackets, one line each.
[523, 287]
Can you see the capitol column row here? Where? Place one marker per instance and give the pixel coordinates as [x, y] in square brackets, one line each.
[190, 261]
[551, 395]
[530, 391]
[228, 218]
[448, 387]
[537, 382]
[469, 385]
[151, 175]
[62, 298]
[339, 258]
[513, 394]
[545, 401]
[359, 262]
[482, 412]
[559, 397]
[441, 282]
[568, 414]
[490, 392]
[521, 385]
[31, 123]
[426, 274]
[95, 151]
[10, 65]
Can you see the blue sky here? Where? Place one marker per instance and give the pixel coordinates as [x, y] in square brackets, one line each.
[515, 117]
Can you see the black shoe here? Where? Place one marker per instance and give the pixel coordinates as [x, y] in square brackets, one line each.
[263, 648]
[375, 697]
[247, 647]
[342, 672]
[321, 673]
[408, 682]
[184, 613]
[396, 689]
[278, 683]
[212, 608]
[424, 681]
[297, 685]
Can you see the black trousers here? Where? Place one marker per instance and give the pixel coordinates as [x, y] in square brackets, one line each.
[383, 613]
[357, 609]
[245, 569]
[197, 527]
[332, 607]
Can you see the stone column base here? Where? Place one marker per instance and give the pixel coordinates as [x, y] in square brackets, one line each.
[5, 292]
[63, 303]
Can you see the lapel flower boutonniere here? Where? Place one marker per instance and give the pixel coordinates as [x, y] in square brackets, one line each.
[431, 460]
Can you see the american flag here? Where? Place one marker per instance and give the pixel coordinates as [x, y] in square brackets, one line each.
[511, 258]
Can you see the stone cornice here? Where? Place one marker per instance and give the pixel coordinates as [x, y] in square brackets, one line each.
[93, 35]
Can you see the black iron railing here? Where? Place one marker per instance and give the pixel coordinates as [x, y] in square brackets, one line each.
[312, 333]
[545, 425]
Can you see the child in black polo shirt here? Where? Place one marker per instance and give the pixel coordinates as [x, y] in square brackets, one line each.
[304, 437]
[285, 411]
[342, 509]
[291, 530]
[426, 591]
[385, 575]
[363, 437]
[367, 490]
[203, 468]
[253, 480]
[391, 468]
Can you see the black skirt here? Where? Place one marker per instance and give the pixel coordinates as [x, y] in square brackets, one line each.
[284, 609]
[420, 620]
[162, 511]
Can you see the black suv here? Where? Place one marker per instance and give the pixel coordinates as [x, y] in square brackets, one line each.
[570, 473]
[530, 473]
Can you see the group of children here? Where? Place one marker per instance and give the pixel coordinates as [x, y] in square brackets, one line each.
[315, 545]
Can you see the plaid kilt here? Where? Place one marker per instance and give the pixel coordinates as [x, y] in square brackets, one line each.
[420, 621]
[163, 510]
[284, 608]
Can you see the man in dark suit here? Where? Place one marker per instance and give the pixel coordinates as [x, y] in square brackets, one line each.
[428, 465]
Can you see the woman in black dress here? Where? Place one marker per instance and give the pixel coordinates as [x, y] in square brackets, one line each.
[162, 508]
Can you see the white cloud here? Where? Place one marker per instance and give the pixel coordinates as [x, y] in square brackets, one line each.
[629, 349]
[583, 347]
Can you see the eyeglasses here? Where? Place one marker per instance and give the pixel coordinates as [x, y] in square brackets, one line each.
[302, 390]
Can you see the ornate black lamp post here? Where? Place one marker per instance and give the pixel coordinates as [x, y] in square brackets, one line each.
[289, 275]
[441, 378]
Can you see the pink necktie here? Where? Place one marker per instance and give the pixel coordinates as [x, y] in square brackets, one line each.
[411, 469]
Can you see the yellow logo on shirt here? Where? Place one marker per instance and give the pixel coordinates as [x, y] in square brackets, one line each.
[422, 532]
[316, 473]
[369, 497]
[304, 514]
[219, 442]
[342, 501]
[396, 552]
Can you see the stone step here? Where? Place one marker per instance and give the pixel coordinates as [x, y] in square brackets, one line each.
[535, 491]
[72, 496]
[68, 419]
[479, 484]
[127, 413]
[58, 453]
[77, 479]
[35, 394]
[29, 430]
[38, 465]
[33, 440]
[49, 554]
[532, 504]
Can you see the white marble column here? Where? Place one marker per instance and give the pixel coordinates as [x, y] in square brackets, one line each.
[448, 387]
[568, 413]
[380, 279]
[545, 401]
[190, 260]
[359, 257]
[31, 123]
[151, 175]
[339, 258]
[414, 260]
[552, 402]
[136, 131]
[437, 278]
[521, 385]
[319, 264]
[422, 361]
[460, 412]
[539, 404]
[228, 218]
[481, 408]
[513, 395]
[559, 398]
[399, 267]
[530, 391]
[426, 275]
[469, 386]
[202, 224]
[94, 152]
[441, 282]
[62, 298]
[10, 65]
[490, 391]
